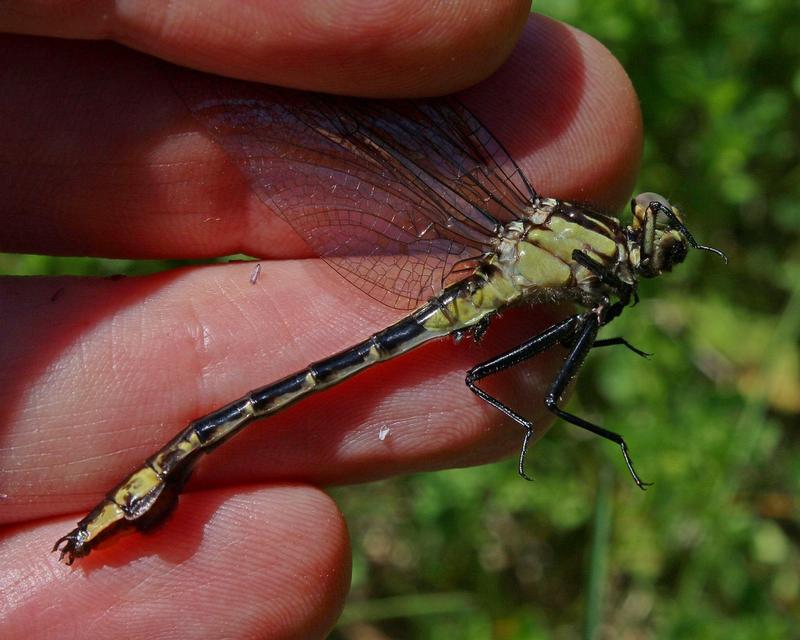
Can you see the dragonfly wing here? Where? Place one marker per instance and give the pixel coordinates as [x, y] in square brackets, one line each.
[393, 194]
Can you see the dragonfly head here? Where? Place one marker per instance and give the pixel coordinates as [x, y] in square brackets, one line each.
[658, 237]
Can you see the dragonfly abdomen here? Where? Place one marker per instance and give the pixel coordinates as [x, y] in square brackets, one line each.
[148, 494]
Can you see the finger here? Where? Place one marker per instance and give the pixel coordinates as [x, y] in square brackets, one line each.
[387, 48]
[99, 374]
[264, 562]
[102, 158]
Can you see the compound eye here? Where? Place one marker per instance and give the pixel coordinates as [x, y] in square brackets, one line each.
[652, 203]
[663, 221]
[667, 216]
[643, 200]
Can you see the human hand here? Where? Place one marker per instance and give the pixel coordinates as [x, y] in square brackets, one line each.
[98, 373]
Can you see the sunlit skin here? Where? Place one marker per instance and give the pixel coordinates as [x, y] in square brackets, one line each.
[128, 372]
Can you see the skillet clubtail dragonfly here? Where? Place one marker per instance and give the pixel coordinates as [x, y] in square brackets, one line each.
[419, 206]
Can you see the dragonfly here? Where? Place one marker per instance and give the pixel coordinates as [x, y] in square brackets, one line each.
[419, 206]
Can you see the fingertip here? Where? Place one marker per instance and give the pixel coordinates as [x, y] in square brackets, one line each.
[567, 112]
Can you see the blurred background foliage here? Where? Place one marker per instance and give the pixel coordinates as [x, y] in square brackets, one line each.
[712, 551]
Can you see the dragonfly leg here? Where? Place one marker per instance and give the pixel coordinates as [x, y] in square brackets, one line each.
[583, 344]
[480, 329]
[606, 276]
[477, 331]
[609, 342]
[536, 345]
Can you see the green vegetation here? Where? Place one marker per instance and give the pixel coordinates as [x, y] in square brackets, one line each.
[711, 551]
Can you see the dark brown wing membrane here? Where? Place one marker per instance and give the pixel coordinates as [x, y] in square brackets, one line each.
[393, 194]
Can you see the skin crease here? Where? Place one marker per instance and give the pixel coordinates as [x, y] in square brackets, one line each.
[96, 374]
